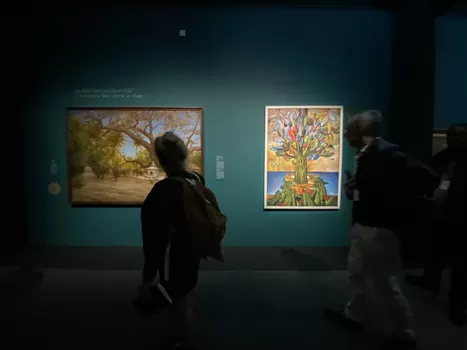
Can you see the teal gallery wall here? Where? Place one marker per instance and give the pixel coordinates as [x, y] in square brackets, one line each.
[232, 63]
[451, 71]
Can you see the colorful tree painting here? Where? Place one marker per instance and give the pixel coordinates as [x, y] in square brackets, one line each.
[111, 157]
[303, 153]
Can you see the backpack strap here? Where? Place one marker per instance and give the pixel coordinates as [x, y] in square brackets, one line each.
[167, 252]
[196, 176]
[190, 181]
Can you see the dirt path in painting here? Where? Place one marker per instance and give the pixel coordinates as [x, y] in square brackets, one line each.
[128, 189]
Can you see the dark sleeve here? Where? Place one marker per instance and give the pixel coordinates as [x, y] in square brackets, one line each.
[158, 214]
[457, 193]
[419, 177]
[440, 161]
[349, 192]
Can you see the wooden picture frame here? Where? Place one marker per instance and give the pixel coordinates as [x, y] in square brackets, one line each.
[110, 151]
[303, 157]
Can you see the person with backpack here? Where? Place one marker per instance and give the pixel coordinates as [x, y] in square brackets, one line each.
[181, 224]
[384, 187]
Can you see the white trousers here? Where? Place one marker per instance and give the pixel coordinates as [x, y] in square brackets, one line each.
[374, 265]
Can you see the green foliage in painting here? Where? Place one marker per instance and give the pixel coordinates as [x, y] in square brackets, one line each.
[97, 140]
[311, 194]
[196, 160]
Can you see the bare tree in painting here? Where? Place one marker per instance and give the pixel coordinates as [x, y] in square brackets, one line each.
[96, 138]
[140, 126]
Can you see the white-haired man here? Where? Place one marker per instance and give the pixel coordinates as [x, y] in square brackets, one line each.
[384, 184]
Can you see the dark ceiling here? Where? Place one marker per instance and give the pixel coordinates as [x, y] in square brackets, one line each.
[459, 8]
[441, 7]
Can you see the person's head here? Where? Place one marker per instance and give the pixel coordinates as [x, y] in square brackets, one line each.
[363, 127]
[456, 138]
[171, 152]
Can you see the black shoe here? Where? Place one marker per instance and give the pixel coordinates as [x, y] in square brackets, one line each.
[421, 282]
[158, 302]
[148, 309]
[339, 318]
[401, 344]
[179, 343]
[457, 318]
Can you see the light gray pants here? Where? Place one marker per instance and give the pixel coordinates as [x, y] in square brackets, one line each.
[374, 266]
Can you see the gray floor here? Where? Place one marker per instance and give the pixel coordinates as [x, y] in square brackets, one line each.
[91, 309]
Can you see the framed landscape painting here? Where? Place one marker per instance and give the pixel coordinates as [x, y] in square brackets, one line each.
[110, 151]
[303, 157]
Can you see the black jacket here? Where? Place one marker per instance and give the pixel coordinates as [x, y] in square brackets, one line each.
[456, 202]
[162, 211]
[441, 161]
[391, 186]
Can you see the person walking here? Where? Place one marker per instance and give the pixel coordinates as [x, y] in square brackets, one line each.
[448, 240]
[382, 187]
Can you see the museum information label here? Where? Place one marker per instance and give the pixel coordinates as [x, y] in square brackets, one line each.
[219, 168]
[107, 94]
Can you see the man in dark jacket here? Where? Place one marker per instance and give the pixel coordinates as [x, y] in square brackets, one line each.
[385, 185]
[449, 225]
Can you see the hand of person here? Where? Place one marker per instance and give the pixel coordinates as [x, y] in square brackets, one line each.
[350, 186]
[351, 183]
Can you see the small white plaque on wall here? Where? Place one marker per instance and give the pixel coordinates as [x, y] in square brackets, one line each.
[219, 168]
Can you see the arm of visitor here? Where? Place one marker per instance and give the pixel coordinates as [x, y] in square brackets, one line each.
[153, 241]
[158, 217]
[417, 173]
[154, 232]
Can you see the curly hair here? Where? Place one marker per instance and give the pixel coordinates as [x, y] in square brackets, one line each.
[171, 151]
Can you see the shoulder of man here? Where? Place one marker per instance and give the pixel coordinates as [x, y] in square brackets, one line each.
[380, 151]
[394, 156]
[391, 151]
[164, 188]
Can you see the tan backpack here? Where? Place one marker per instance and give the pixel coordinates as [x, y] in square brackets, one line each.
[205, 223]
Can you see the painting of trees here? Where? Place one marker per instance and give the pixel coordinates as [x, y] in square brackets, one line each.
[111, 158]
[303, 152]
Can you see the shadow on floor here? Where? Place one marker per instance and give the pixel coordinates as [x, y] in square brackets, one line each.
[238, 310]
[303, 261]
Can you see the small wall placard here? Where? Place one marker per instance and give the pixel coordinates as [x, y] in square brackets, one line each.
[219, 168]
